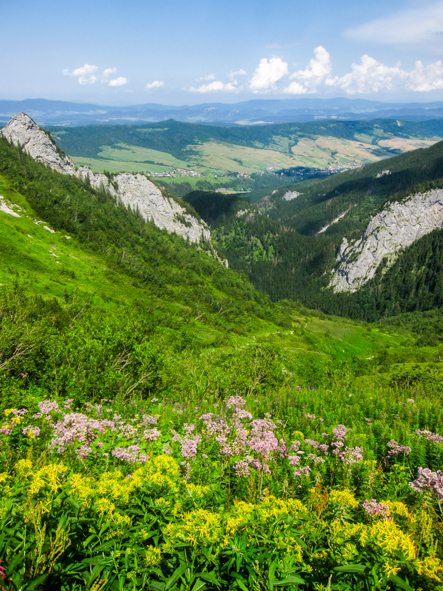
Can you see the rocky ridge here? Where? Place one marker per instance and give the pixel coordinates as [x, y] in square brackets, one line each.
[135, 191]
[387, 234]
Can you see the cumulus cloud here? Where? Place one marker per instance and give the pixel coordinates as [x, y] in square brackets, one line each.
[108, 71]
[371, 76]
[89, 74]
[85, 75]
[234, 75]
[316, 72]
[412, 26]
[120, 81]
[154, 85]
[267, 74]
[215, 86]
[206, 78]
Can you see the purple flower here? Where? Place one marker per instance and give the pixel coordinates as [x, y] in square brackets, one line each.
[189, 447]
[351, 455]
[433, 437]
[294, 460]
[395, 449]
[46, 406]
[374, 509]
[31, 431]
[151, 434]
[242, 468]
[429, 481]
[236, 401]
[302, 472]
[206, 417]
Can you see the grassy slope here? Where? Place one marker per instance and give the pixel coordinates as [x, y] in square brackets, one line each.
[212, 150]
[208, 314]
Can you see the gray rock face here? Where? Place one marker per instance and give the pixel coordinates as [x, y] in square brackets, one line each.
[22, 131]
[387, 234]
[135, 191]
[290, 195]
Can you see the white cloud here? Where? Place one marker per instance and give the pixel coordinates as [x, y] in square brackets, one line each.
[234, 75]
[85, 75]
[295, 88]
[313, 75]
[120, 81]
[154, 85]
[108, 71]
[411, 26]
[214, 86]
[206, 78]
[267, 74]
[371, 76]
[426, 78]
[88, 74]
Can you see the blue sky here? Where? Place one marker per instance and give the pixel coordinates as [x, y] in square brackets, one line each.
[195, 51]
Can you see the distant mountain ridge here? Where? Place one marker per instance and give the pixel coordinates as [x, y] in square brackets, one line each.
[47, 112]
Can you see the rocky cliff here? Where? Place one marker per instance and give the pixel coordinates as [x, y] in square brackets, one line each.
[135, 191]
[387, 234]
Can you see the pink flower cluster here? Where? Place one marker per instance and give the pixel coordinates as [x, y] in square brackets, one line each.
[131, 454]
[374, 509]
[429, 481]
[395, 449]
[433, 437]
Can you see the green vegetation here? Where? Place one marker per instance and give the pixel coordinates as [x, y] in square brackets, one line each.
[280, 249]
[214, 152]
[165, 426]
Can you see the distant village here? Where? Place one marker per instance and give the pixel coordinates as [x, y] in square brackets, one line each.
[299, 171]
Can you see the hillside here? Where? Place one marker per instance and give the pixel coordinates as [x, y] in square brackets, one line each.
[164, 425]
[288, 247]
[241, 157]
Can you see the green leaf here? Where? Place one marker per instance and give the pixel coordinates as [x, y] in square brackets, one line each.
[177, 574]
[36, 582]
[210, 577]
[292, 580]
[350, 568]
[398, 582]
[73, 503]
[199, 585]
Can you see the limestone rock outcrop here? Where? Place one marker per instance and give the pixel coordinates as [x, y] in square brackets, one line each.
[395, 228]
[135, 191]
[22, 131]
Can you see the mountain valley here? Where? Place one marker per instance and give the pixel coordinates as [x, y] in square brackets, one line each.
[157, 400]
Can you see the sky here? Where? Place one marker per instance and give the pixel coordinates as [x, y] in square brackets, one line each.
[199, 51]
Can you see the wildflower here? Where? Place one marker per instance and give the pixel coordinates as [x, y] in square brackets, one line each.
[374, 509]
[351, 455]
[433, 437]
[46, 406]
[411, 400]
[151, 434]
[429, 481]
[236, 401]
[189, 447]
[242, 468]
[395, 449]
[31, 431]
[302, 472]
